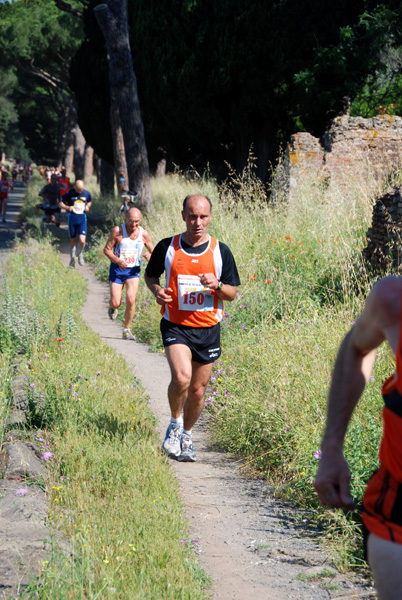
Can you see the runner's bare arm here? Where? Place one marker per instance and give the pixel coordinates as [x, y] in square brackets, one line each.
[148, 245]
[88, 206]
[65, 207]
[162, 295]
[113, 239]
[378, 321]
[226, 292]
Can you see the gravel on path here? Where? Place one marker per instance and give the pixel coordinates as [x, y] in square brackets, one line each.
[247, 540]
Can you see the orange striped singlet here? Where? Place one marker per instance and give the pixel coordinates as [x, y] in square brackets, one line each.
[382, 501]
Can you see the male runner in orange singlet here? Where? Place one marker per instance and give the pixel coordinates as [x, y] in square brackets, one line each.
[200, 274]
[380, 320]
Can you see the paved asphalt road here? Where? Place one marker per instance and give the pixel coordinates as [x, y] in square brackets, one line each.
[9, 230]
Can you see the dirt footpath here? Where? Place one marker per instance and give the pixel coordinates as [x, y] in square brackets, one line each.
[247, 542]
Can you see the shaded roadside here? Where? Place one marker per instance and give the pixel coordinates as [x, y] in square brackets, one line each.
[24, 532]
[12, 228]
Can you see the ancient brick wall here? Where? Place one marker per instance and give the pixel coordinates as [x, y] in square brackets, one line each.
[384, 238]
[352, 150]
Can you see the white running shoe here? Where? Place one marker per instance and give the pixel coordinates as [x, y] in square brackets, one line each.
[81, 260]
[127, 335]
[112, 312]
[187, 453]
[172, 444]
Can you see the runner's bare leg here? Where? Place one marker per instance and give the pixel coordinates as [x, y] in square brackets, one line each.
[186, 390]
[385, 560]
[180, 363]
[131, 294]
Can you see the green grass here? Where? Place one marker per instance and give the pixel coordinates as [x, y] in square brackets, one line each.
[303, 285]
[111, 493]
[325, 572]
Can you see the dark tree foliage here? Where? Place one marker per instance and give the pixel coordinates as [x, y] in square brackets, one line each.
[382, 90]
[215, 77]
[90, 81]
[39, 40]
[38, 119]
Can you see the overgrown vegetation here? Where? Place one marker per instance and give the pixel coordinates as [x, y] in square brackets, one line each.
[111, 493]
[303, 284]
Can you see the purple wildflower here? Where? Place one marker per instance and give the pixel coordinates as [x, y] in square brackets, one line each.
[46, 455]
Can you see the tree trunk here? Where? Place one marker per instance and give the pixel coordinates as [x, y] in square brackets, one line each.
[112, 19]
[106, 179]
[79, 150]
[63, 136]
[265, 153]
[68, 145]
[69, 154]
[97, 168]
[161, 164]
[119, 154]
[88, 162]
[161, 168]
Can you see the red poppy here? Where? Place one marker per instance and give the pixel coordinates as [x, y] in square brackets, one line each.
[60, 339]
[267, 281]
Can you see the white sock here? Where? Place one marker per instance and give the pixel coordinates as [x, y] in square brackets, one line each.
[73, 252]
[179, 421]
[80, 249]
[187, 432]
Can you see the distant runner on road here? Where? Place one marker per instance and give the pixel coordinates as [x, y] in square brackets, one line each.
[5, 187]
[63, 182]
[77, 203]
[51, 198]
[124, 249]
[200, 273]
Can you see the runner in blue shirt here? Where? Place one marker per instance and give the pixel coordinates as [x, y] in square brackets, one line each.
[77, 202]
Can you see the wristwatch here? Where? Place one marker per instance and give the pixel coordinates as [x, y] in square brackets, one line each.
[220, 285]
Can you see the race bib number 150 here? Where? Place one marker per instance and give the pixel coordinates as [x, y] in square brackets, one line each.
[193, 296]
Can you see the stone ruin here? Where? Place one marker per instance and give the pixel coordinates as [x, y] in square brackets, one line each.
[357, 150]
[353, 149]
[384, 238]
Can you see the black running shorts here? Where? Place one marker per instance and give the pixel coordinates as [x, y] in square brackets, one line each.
[204, 342]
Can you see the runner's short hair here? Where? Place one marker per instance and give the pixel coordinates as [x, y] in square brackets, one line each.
[187, 198]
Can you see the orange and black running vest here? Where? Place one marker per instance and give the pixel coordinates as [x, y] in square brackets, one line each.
[193, 304]
[4, 189]
[382, 501]
[64, 184]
